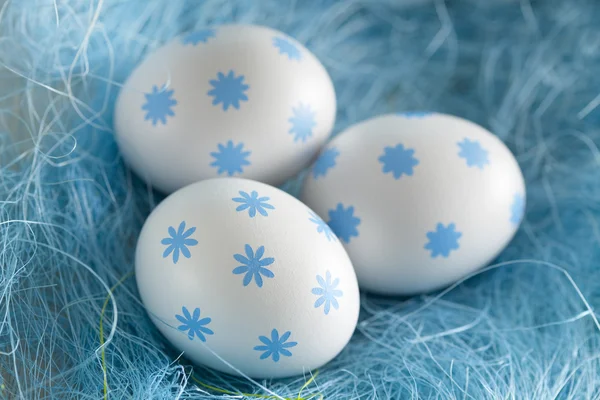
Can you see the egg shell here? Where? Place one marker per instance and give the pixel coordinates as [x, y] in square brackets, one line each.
[233, 100]
[198, 255]
[419, 199]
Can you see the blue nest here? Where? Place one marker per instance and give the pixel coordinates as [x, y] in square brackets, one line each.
[71, 322]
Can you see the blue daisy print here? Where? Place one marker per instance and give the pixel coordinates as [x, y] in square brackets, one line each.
[398, 160]
[322, 227]
[193, 324]
[253, 265]
[286, 47]
[415, 114]
[158, 105]
[253, 203]
[228, 90]
[303, 122]
[473, 153]
[443, 240]
[327, 292]
[200, 36]
[179, 241]
[343, 222]
[517, 209]
[230, 158]
[325, 162]
[275, 346]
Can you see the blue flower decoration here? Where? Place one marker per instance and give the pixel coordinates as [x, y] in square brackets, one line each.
[253, 203]
[443, 240]
[517, 209]
[303, 122]
[196, 37]
[325, 161]
[343, 222]
[275, 346]
[228, 90]
[415, 114]
[254, 265]
[322, 227]
[398, 160]
[285, 46]
[193, 324]
[158, 105]
[179, 242]
[472, 151]
[328, 292]
[230, 158]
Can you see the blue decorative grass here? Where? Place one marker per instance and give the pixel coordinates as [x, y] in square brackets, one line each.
[70, 211]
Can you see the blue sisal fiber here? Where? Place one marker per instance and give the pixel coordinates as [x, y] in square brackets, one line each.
[70, 211]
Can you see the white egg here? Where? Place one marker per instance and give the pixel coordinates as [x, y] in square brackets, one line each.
[241, 276]
[420, 200]
[233, 100]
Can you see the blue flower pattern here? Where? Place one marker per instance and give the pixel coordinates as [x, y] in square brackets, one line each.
[473, 153]
[303, 122]
[276, 346]
[159, 105]
[253, 203]
[179, 241]
[343, 222]
[200, 36]
[415, 114]
[193, 324]
[328, 292]
[325, 162]
[228, 90]
[517, 209]
[254, 265]
[398, 160]
[288, 48]
[443, 240]
[322, 227]
[230, 158]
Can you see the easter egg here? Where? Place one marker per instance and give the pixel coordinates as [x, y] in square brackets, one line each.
[233, 100]
[244, 278]
[419, 200]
